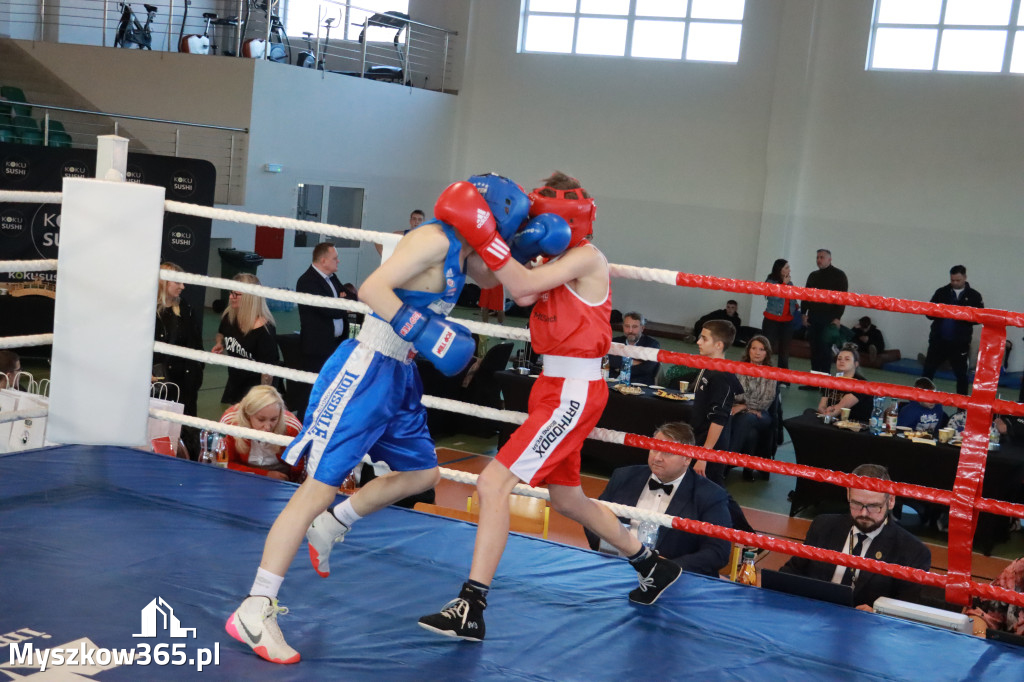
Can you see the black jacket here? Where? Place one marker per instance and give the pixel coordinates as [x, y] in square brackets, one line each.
[893, 545]
[697, 498]
[316, 324]
[642, 371]
[831, 278]
[956, 331]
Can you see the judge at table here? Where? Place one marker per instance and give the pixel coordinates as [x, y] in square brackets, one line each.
[642, 371]
[665, 485]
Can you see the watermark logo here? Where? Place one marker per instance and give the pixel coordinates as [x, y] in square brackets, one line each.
[158, 614]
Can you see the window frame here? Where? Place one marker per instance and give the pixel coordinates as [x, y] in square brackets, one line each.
[1010, 29]
[630, 17]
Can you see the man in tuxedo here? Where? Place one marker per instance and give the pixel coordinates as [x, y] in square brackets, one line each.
[321, 329]
[867, 531]
[667, 486]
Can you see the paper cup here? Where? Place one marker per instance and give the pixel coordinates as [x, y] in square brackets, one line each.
[683, 385]
[845, 412]
[945, 435]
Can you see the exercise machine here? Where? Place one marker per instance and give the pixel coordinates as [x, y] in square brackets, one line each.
[131, 33]
[195, 43]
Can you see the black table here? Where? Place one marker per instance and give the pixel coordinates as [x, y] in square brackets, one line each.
[639, 414]
[826, 446]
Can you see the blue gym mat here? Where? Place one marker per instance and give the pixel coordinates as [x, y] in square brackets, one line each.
[97, 542]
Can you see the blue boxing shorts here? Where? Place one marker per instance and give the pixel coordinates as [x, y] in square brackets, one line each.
[364, 402]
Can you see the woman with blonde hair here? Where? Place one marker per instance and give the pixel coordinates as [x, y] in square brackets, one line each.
[262, 409]
[178, 324]
[246, 331]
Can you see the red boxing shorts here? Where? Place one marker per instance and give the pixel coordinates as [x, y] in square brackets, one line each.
[493, 298]
[562, 412]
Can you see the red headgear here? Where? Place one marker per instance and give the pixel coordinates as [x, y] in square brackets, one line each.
[578, 211]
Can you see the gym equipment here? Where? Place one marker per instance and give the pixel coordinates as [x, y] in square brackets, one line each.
[280, 49]
[195, 43]
[307, 58]
[131, 33]
[394, 74]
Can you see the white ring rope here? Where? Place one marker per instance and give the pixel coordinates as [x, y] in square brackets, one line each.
[28, 265]
[450, 474]
[18, 415]
[26, 341]
[23, 197]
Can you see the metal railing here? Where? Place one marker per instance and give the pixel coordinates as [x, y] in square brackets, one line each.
[223, 146]
[393, 48]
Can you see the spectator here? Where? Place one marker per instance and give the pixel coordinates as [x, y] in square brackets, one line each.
[10, 365]
[836, 335]
[642, 371]
[664, 486]
[728, 314]
[261, 409]
[951, 339]
[866, 531]
[416, 219]
[779, 314]
[833, 400]
[246, 331]
[819, 316]
[998, 615]
[178, 325]
[492, 299]
[869, 338]
[923, 416]
[321, 329]
[752, 421]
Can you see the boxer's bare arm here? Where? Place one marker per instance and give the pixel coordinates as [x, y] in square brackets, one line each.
[416, 264]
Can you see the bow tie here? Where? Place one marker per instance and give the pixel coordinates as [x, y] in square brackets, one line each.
[654, 485]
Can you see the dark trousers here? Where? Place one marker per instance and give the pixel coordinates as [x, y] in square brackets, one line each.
[941, 350]
[821, 352]
[779, 335]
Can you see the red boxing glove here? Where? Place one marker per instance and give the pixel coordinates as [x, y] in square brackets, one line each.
[462, 207]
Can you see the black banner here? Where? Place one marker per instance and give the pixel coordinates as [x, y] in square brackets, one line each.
[32, 231]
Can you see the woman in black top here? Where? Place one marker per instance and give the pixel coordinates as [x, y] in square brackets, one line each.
[177, 324]
[832, 400]
[246, 331]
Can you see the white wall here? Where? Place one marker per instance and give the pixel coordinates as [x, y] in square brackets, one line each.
[720, 169]
[336, 130]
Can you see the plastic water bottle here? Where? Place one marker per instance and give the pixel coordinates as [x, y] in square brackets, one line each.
[748, 572]
[206, 455]
[877, 415]
[604, 368]
[647, 533]
[626, 372]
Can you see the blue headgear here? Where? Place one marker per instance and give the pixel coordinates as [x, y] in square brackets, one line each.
[508, 202]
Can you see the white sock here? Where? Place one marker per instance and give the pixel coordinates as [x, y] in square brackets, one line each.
[266, 584]
[345, 513]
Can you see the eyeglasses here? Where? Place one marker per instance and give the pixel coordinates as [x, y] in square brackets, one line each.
[235, 293]
[873, 508]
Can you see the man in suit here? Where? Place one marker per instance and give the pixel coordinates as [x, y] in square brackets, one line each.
[868, 531]
[643, 371]
[320, 329]
[667, 486]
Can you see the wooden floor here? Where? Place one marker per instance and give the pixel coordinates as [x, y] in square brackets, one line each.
[453, 495]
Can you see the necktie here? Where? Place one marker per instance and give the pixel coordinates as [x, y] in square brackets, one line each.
[857, 547]
[654, 485]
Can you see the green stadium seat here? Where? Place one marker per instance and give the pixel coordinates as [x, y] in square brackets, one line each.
[27, 130]
[16, 105]
[58, 138]
[7, 134]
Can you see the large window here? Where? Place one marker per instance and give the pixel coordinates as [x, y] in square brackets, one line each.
[984, 36]
[348, 16]
[696, 30]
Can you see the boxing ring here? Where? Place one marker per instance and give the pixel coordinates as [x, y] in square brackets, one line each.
[92, 534]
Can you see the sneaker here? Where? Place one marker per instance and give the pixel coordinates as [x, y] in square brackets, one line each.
[462, 618]
[255, 624]
[321, 535]
[661, 575]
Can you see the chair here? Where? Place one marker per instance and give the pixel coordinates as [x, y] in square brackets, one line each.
[57, 136]
[16, 104]
[528, 514]
[7, 134]
[27, 130]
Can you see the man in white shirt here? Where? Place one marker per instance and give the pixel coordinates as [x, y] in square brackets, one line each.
[666, 486]
[868, 531]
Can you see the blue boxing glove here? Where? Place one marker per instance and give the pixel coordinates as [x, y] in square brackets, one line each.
[448, 346]
[544, 235]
